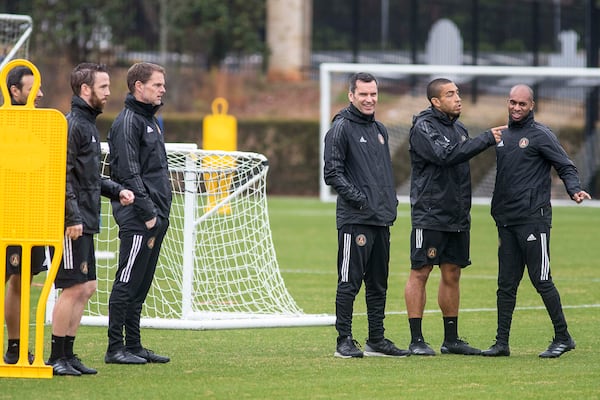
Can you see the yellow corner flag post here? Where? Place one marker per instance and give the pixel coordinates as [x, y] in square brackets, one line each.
[219, 132]
[33, 144]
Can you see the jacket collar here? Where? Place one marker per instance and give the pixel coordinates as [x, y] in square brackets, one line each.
[442, 116]
[77, 103]
[524, 122]
[145, 109]
[432, 112]
[353, 114]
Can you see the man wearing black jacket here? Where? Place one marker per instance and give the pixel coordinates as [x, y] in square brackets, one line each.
[358, 166]
[76, 276]
[138, 161]
[523, 214]
[440, 197]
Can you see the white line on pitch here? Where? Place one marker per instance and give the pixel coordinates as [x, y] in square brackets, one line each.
[492, 309]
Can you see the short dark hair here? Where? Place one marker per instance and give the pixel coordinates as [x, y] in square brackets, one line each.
[360, 76]
[142, 72]
[85, 73]
[15, 77]
[435, 86]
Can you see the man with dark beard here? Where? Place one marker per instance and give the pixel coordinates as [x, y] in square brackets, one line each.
[76, 276]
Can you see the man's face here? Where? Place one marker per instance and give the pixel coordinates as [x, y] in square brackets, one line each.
[20, 95]
[153, 90]
[448, 101]
[100, 91]
[364, 97]
[520, 103]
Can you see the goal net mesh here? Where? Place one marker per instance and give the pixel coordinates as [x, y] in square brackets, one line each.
[218, 267]
[15, 31]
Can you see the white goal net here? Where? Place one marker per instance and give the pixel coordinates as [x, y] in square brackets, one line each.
[218, 268]
[561, 93]
[15, 31]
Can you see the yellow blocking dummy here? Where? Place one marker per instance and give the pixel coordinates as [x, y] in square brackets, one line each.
[219, 132]
[33, 148]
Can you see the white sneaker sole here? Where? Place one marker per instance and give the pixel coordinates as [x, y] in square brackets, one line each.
[340, 355]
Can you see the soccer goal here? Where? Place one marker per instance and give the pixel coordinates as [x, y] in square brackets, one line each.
[218, 267]
[15, 31]
[561, 95]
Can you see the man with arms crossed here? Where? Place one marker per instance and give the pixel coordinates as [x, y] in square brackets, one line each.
[76, 276]
[440, 197]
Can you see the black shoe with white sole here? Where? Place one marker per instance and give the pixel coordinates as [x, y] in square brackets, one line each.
[384, 348]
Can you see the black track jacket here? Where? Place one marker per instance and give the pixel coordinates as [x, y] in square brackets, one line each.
[138, 161]
[84, 185]
[359, 167]
[440, 182]
[523, 182]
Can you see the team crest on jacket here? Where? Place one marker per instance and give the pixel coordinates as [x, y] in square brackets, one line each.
[361, 240]
[381, 138]
[151, 242]
[523, 142]
[14, 260]
[431, 252]
[84, 267]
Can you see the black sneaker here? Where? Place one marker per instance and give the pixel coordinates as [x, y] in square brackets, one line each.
[384, 348]
[497, 350]
[150, 356]
[459, 346]
[347, 348]
[62, 367]
[558, 347]
[420, 348]
[79, 366]
[12, 357]
[122, 357]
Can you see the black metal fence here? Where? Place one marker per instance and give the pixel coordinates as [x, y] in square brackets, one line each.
[400, 28]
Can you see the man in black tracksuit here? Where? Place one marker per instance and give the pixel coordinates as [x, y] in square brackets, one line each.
[358, 166]
[440, 197]
[523, 214]
[138, 161]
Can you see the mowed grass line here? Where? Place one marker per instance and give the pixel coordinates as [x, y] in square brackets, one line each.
[297, 363]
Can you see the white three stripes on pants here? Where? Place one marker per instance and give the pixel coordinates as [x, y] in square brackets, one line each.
[418, 238]
[67, 253]
[136, 245]
[545, 267]
[346, 257]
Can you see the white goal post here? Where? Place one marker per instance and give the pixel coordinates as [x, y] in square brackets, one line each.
[15, 31]
[218, 268]
[501, 78]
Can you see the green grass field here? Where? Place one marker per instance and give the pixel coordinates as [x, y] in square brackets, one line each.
[298, 363]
